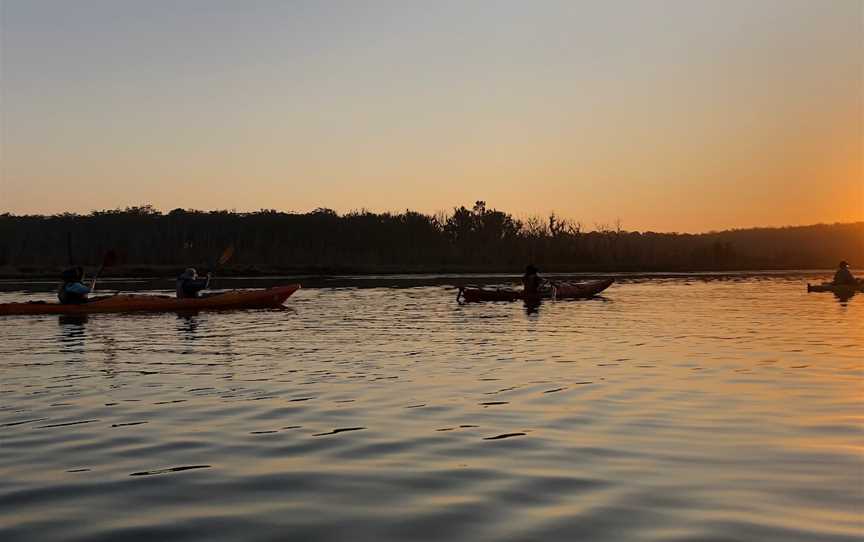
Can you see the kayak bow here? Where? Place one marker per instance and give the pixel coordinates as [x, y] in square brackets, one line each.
[234, 299]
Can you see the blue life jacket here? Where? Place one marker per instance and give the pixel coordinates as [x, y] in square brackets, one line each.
[73, 293]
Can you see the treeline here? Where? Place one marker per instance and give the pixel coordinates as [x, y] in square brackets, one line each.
[468, 239]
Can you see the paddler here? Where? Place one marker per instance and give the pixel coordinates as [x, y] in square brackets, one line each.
[531, 281]
[844, 277]
[189, 285]
[73, 291]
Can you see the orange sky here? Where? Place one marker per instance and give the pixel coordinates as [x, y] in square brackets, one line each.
[672, 116]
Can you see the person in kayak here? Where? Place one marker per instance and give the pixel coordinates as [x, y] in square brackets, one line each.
[73, 291]
[844, 277]
[531, 281]
[189, 285]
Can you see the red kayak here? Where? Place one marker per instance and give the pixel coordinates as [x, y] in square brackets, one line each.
[559, 290]
[235, 299]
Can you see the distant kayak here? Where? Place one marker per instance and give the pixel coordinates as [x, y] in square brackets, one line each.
[235, 299]
[562, 290]
[843, 289]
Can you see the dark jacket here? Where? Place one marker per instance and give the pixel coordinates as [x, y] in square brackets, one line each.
[189, 287]
[531, 283]
[844, 276]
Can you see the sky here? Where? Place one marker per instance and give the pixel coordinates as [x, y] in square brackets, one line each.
[668, 115]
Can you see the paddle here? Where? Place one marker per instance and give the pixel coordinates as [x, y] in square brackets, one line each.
[226, 255]
[223, 259]
[108, 260]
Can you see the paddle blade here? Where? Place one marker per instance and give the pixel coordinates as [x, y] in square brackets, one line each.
[226, 255]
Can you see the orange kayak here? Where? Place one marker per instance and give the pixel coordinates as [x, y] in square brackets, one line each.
[574, 290]
[235, 299]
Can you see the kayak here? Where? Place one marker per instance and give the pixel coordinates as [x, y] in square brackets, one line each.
[234, 299]
[580, 290]
[842, 289]
[561, 290]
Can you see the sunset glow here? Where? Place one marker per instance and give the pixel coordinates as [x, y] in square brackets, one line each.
[670, 116]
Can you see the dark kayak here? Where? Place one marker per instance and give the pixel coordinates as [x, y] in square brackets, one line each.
[842, 289]
[235, 299]
[562, 290]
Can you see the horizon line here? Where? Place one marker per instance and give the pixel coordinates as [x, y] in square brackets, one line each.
[617, 222]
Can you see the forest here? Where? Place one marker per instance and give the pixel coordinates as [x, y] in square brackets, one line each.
[476, 239]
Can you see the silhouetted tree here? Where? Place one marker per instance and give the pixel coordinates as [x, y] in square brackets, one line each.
[479, 238]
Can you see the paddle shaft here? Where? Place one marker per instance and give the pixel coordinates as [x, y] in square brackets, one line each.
[96, 276]
[107, 261]
[223, 259]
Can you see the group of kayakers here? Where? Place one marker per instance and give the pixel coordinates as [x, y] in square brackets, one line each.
[74, 291]
[532, 283]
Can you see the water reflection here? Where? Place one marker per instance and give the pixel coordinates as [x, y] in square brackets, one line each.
[843, 297]
[532, 307]
[73, 332]
[670, 410]
[76, 321]
[187, 324]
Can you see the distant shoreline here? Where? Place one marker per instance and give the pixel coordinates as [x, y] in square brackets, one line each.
[143, 242]
[252, 272]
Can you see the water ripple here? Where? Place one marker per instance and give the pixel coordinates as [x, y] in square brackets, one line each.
[673, 410]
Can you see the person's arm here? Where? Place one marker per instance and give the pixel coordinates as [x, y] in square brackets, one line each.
[199, 284]
[78, 288]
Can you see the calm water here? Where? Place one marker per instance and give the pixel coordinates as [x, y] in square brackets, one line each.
[674, 410]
